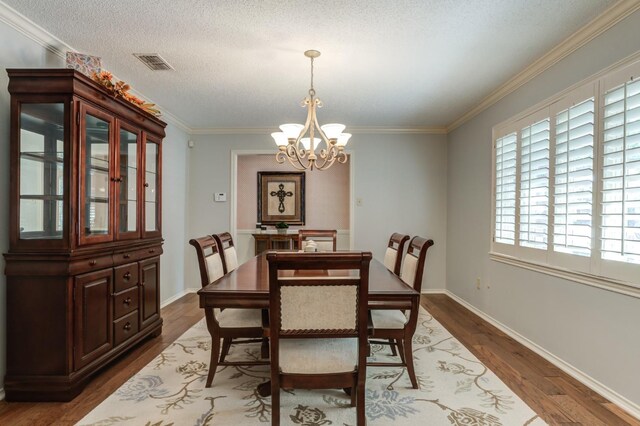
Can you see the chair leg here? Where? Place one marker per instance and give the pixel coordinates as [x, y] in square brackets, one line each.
[354, 392]
[408, 358]
[392, 344]
[226, 345]
[360, 408]
[264, 348]
[275, 404]
[401, 350]
[213, 364]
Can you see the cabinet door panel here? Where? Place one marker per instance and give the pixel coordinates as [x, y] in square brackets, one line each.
[152, 191]
[96, 175]
[93, 316]
[127, 181]
[149, 291]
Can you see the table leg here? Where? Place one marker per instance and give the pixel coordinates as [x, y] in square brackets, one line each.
[264, 389]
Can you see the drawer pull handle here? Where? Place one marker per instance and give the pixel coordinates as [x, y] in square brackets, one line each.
[93, 262]
[152, 250]
[126, 256]
[127, 301]
[127, 326]
[127, 275]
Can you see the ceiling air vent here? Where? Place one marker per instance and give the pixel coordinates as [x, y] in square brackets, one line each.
[153, 61]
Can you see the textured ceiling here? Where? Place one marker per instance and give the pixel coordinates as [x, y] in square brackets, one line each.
[240, 64]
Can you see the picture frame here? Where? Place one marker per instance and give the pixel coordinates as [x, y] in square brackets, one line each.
[281, 198]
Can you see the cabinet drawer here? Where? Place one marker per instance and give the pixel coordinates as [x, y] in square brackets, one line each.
[125, 276]
[125, 328]
[89, 264]
[125, 302]
[125, 257]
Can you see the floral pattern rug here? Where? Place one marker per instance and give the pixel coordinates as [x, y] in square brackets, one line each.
[455, 389]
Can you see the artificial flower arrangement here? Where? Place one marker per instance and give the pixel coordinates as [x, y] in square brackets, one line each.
[121, 89]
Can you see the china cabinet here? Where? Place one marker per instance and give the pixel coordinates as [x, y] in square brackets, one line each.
[83, 265]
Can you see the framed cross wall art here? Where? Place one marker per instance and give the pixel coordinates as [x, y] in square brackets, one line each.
[281, 198]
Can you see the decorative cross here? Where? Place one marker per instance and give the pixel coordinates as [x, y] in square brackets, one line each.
[281, 194]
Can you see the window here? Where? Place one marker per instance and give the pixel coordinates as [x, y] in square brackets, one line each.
[573, 194]
[620, 237]
[567, 178]
[506, 189]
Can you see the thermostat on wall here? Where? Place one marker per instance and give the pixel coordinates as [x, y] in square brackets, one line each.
[220, 196]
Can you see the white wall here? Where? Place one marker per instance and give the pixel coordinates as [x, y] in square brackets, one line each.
[400, 178]
[594, 330]
[174, 212]
[19, 51]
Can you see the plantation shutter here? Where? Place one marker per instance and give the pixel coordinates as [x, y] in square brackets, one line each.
[621, 174]
[505, 216]
[534, 184]
[573, 179]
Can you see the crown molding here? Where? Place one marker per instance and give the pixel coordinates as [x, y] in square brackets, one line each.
[53, 44]
[33, 31]
[588, 32]
[354, 130]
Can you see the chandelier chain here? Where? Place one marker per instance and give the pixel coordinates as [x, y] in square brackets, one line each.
[312, 91]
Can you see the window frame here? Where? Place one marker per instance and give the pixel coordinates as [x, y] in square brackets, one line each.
[592, 270]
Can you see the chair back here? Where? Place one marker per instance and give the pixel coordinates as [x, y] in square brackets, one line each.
[325, 238]
[318, 295]
[209, 260]
[393, 255]
[413, 266]
[228, 250]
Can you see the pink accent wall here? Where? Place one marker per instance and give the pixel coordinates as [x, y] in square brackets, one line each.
[326, 199]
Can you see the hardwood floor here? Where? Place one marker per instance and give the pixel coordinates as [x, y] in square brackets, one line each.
[555, 396]
[558, 398]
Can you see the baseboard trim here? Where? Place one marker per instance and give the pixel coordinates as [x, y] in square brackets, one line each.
[624, 403]
[177, 296]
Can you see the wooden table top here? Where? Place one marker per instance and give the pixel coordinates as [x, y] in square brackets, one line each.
[250, 282]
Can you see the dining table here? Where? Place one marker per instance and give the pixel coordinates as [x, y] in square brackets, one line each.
[248, 287]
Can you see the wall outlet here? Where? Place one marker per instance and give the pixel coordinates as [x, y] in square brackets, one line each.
[220, 197]
[478, 283]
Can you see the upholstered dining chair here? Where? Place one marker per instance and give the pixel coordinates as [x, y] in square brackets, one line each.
[227, 250]
[393, 255]
[396, 326]
[325, 238]
[318, 324]
[228, 324]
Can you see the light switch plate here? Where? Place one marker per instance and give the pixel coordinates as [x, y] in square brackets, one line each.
[220, 197]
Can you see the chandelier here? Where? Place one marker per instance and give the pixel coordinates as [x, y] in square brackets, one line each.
[300, 144]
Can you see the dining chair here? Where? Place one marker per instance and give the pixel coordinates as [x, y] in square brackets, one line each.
[397, 326]
[318, 324]
[227, 250]
[325, 238]
[228, 324]
[393, 255]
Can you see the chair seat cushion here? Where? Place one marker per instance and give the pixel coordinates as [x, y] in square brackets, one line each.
[239, 318]
[318, 356]
[388, 318]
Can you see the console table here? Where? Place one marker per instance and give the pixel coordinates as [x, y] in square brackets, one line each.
[273, 241]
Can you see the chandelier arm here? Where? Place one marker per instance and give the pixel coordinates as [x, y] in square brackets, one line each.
[326, 164]
[294, 152]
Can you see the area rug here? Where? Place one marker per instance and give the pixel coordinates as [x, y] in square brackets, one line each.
[455, 389]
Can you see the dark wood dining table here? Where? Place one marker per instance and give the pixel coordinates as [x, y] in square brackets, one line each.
[248, 287]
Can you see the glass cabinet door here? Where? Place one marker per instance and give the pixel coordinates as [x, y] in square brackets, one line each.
[95, 190]
[41, 171]
[152, 188]
[127, 183]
